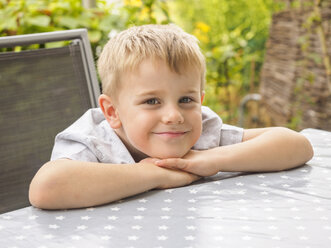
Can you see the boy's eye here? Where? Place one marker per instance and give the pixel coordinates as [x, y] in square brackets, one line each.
[185, 100]
[152, 101]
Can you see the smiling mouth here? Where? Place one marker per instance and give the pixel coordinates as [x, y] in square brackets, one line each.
[171, 134]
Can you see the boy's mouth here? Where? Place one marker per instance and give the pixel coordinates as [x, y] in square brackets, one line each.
[171, 134]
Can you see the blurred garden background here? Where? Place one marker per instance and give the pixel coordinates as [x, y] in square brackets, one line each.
[235, 37]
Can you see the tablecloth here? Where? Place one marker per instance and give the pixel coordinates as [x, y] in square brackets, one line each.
[281, 209]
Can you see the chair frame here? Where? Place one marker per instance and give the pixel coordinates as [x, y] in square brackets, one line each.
[87, 56]
[76, 36]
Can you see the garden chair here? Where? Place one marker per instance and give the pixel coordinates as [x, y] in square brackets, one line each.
[42, 91]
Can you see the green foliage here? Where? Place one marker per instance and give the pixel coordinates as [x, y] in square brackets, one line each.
[35, 16]
[232, 34]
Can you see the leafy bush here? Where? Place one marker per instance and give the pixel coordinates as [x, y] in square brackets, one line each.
[232, 34]
[35, 16]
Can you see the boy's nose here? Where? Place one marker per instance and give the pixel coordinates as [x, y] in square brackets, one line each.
[172, 115]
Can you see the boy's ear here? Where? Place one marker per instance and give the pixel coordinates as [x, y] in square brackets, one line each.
[202, 96]
[109, 111]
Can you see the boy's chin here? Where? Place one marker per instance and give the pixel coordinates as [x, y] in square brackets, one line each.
[168, 154]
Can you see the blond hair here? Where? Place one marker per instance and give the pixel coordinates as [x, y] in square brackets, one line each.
[126, 50]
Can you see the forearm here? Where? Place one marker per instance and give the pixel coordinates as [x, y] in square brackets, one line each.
[275, 149]
[72, 184]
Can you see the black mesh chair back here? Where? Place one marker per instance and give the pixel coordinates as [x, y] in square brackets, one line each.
[42, 91]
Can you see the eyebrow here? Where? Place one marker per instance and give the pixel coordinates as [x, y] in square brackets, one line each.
[155, 92]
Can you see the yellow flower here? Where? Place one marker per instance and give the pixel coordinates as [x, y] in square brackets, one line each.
[144, 13]
[203, 27]
[133, 3]
[202, 37]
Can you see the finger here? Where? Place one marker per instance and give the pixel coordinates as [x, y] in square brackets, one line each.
[174, 163]
[196, 177]
[148, 160]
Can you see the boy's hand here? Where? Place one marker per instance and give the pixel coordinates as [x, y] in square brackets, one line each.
[171, 178]
[194, 162]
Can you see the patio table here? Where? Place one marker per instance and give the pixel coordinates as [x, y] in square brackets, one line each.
[280, 209]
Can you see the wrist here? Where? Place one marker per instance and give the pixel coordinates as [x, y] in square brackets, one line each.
[217, 158]
[154, 174]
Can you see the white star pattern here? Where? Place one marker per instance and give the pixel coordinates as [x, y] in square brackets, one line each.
[115, 209]
[191, 227]
[109, 227]
[141, 209]
[301, 228]
[226, 210]
[136, 227]
[189, 237]
[113, 217]
[193, 191]
[53, 226]
[85, 217]
[48, 236]
[162, 237]
[106, 237]
[134, 238]
[76, 237]
[163, 227]
[20, 237]
[81, 227]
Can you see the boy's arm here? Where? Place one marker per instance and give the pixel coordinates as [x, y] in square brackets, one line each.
[262, 149]
[67, 183]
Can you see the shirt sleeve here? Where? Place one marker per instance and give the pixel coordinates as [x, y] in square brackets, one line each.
[78, 141]
[231, 135]
[71, 149]
[91, 139]
[215, 133]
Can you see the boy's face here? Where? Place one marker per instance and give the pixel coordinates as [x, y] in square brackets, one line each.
[159, 110]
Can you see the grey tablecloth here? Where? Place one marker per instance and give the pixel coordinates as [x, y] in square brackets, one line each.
[284, 209]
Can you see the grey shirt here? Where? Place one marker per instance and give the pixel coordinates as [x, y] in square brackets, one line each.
[91, 138]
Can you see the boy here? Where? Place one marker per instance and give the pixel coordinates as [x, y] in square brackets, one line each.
[151, 130]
